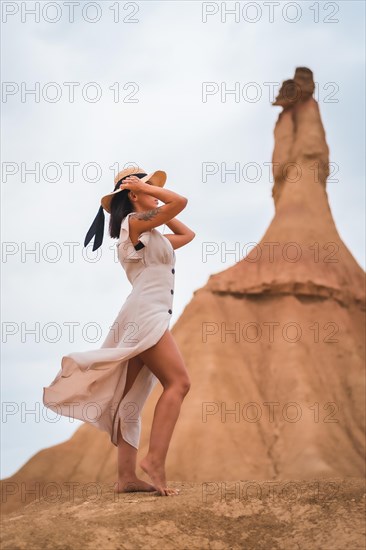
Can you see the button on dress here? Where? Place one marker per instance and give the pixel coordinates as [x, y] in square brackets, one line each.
[90, 384]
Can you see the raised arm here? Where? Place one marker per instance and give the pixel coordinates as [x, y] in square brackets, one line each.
[181, 235]
[144, 221]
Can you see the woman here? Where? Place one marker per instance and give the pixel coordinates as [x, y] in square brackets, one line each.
[117, 378]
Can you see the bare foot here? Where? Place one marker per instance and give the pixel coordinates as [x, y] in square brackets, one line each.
[132, 485]
[157, 475]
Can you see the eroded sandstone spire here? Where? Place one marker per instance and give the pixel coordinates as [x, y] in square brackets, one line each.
[275, 344]
[301, 252]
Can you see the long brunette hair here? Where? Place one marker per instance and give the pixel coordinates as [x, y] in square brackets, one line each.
[120, 207]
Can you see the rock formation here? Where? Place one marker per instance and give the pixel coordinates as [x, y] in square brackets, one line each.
[274, 344]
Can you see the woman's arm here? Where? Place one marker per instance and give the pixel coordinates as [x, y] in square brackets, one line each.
[144, 221]
[181, 233]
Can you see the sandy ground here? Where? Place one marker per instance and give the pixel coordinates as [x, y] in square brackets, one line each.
[307, 515]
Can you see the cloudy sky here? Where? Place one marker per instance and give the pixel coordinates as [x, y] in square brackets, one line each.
[137, 75]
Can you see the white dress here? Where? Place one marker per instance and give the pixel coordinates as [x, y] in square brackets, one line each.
[90, 384]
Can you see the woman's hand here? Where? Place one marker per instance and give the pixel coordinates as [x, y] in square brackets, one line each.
[133, 183]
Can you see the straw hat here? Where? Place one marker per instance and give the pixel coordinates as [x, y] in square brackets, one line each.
[96, 229]
[157, 178]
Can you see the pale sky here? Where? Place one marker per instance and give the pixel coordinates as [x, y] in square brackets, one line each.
[157, 55]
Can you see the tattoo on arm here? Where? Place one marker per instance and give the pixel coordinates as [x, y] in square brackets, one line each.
[146, 216]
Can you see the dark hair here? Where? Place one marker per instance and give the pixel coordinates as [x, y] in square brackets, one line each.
[120, 206]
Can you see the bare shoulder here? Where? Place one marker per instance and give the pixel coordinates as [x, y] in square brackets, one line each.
[138, 223]
[146, 220]
[146, 215]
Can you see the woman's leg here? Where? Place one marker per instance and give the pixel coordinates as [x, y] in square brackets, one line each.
[166, 362]
[127, 479]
